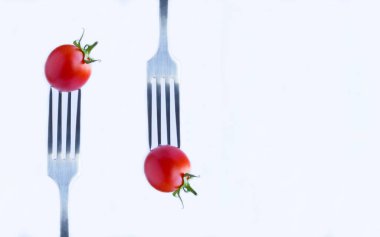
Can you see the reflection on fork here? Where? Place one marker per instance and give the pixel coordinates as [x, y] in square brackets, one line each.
[63, 163]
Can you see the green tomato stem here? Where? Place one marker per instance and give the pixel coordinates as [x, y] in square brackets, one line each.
[86, 50]
[186, 187]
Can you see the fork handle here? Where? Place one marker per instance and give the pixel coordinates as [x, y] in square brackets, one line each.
[63, 193]
[163, 25]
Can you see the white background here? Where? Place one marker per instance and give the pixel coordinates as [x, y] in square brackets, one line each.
[280, 117]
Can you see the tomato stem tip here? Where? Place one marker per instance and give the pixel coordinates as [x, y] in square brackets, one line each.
[186, 187]
[86, 50]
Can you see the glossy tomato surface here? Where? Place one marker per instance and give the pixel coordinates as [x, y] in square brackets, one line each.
[165, 167]
[65, 68]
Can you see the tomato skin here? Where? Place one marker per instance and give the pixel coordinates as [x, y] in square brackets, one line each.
[165, 167]
[65, 68]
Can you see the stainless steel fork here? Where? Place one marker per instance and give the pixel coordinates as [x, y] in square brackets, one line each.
[63, 165]
[162, 70]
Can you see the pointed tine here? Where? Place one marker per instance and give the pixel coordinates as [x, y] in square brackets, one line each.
[59, 125]
[149, 95]
[68, 126]
[177, 119]
[77, 128]
[50, 123]
[158, 81]
[167, 98]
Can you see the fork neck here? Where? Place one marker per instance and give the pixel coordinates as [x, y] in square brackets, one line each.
[163, 46]
[64, 192]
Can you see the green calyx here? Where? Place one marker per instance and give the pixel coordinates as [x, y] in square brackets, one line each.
[186, 187]
[86, 50]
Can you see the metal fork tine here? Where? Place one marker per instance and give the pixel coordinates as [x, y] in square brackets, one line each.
[177, 119]
[59, 125]
[149, 93]
[77, 129]
[68, 126]
[167, 97]
[50, 124]
[158, 81]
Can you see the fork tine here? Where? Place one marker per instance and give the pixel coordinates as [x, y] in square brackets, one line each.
[158, 81]
[50, 123]
[176, 101]
[68, 126]
[167, 97]
[77, 128]
[59, 125]
[149, 95]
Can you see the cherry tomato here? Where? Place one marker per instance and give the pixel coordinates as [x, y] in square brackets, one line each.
[166, 169]
[68, 67]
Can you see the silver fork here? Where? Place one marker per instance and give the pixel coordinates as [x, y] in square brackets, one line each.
[63, 166]
[161, 69]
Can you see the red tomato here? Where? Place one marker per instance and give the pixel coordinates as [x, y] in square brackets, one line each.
[68, 66]
[166, 168]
